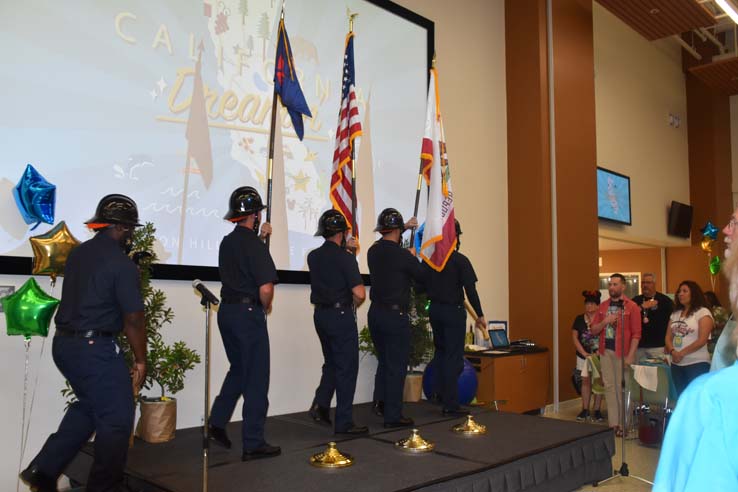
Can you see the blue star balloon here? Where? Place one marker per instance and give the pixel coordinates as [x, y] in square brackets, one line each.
[710, 230]
[35, 197]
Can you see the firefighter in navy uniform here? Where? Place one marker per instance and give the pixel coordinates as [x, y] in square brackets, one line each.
[445, 290]
[248, 276]
[101, 296]
[336, 290]
[392, 268]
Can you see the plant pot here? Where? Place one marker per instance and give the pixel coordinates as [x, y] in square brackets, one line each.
[413, 386]
[158, 420]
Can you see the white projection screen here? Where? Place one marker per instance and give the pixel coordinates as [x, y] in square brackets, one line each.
[97, 97]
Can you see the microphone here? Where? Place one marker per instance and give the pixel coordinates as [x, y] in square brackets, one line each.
[206, 294]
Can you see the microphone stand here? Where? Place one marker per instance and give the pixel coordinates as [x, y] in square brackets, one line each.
[205, 436]
[623, 472]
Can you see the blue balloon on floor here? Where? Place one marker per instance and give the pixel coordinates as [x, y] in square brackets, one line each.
[467, 382]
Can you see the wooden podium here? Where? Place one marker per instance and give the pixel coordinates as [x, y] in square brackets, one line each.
[520, 378]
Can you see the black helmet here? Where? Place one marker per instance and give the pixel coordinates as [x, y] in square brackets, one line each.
[116, 209]
[458, 228]
[331, 222]
[244, 201]
[388, 220]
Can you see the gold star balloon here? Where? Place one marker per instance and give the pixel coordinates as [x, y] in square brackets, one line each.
[51, 250]
[29, 310]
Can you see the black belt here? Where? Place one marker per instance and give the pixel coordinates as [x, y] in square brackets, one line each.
[335, 305]
[250, 301]
[392, 307]
[85, 334]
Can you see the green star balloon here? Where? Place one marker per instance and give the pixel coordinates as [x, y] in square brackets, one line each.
[715, 265]
[29, 310]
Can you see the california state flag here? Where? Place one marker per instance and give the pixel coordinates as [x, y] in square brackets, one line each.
[439, 237]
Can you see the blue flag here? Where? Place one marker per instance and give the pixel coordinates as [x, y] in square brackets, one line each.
[286, 83]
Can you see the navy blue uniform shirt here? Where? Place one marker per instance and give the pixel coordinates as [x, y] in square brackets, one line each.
[333, 273]
[101, 283]
[448, 285]
[391, 267]
[245, 264]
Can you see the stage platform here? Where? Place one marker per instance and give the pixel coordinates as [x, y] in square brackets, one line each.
[519, 452]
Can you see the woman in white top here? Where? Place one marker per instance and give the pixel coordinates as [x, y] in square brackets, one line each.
[686, 339]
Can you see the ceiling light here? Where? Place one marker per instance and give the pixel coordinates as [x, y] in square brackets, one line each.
[729, 8]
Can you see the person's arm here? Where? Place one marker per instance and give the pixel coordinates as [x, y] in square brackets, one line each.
[135, 331]
[598, 326]
[266, 296]
[577, 343]
[635, 333]
[668, 346]
[358, 292]
[704, 325]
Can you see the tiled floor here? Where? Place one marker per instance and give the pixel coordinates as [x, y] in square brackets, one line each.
[641, 460]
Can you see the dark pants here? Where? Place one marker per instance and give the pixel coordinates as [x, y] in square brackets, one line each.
[447, 322]
[390, 330]
[339, 340]
[243, 329]
[683, 375]
[99, 376]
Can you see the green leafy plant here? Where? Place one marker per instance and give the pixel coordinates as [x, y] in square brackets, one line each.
[166, 365]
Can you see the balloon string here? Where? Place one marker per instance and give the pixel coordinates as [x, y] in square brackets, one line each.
[27, 343]
[33, 399]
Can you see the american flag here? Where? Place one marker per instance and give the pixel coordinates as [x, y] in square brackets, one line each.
[349, 127]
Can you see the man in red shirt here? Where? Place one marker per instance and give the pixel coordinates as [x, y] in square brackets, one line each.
[616, 318]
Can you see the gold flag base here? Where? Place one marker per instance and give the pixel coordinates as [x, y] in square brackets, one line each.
[331, 458]
[470, 427]
[415, 443]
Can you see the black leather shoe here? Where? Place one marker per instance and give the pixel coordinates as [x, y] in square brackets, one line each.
[266, 451]
[355, 430]
[320, 414]
[378, 408]
[458, 412]
[403, 422]
[37, 481]
[219, 436]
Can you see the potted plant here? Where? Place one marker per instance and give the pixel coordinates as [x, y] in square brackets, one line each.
[165, 364]
[421, 345]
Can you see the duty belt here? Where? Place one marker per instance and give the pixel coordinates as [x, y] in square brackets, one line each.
[393, 307]
[250, 301]
[85, 333]
[335, 305]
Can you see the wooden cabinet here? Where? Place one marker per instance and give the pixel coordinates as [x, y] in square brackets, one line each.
[521, 379]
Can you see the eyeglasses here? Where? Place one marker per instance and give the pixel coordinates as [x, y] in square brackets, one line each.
[732, 223]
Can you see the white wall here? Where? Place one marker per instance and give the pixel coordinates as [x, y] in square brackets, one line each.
[637, 85]
[470, 43]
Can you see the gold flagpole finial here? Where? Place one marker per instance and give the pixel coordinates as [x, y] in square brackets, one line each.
[351, 16]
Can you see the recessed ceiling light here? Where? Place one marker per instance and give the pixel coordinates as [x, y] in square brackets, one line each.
[654, 11]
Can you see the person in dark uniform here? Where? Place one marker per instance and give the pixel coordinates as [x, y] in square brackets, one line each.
[445, 290]
[391, 269]
[248, 276]
[101, 296]
[336, 290]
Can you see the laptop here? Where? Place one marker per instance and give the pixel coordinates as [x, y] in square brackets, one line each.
[500, 342]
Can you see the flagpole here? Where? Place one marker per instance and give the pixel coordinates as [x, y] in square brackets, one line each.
[354, 222]
[420, 178]
[270, 160]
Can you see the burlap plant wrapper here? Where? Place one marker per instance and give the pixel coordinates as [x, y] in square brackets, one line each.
[413, 387]
[158, 421]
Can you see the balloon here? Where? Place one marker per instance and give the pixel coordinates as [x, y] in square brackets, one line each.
[709, 230]
[715, 264]
[29, 310]
[35, 197]
[467, 382]
[51, 250]
[706, 245]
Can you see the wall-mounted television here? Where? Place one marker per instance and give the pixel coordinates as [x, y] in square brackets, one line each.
[613, 196]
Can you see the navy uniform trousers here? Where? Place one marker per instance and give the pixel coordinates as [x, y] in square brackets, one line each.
[447, 322]
[390, 330]
[336, 328]
[98, 374]
[243, 328]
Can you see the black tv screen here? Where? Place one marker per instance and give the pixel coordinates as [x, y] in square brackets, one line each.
[680, 219]
[613, 196]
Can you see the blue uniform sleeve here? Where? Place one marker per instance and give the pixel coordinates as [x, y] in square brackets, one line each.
[128, 288]
[350, 271]
[261, 266]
